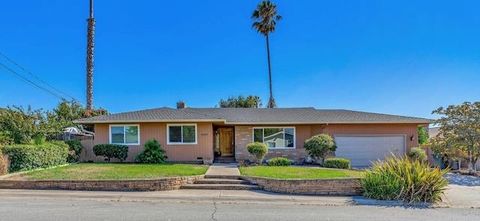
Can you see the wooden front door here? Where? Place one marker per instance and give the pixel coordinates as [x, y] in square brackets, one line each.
[226, 141]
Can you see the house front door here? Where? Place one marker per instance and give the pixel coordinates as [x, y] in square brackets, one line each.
[226, 141]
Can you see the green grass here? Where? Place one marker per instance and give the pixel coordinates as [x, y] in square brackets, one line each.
[294, 172]
[112, 171]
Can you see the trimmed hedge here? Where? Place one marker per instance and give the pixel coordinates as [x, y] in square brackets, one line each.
[27, 157]
[279, 161]
[110, 151]
[337, 162]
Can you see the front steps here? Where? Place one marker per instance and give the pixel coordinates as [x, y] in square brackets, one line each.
[224, 160]
[221, 182]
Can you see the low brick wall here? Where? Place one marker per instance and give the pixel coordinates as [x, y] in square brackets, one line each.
[167, 183]
[338, 187]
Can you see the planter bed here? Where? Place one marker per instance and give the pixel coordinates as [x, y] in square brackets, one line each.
[305, 180]
[107, 177]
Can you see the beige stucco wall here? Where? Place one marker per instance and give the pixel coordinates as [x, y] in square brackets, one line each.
[243, 136]
[158, 131]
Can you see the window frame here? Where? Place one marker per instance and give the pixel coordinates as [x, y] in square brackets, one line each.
[181, 132]
[124, 133]
[283, 128]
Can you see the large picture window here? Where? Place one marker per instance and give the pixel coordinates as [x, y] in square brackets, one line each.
[182, 133]
[124, 134]
[275, 137]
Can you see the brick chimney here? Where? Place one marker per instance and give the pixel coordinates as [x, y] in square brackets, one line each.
[181, 105]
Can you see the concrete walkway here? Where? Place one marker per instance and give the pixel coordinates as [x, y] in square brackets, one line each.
[186, 196]
[221, 169]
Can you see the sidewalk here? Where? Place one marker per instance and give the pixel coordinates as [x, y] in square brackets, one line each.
[224, 196]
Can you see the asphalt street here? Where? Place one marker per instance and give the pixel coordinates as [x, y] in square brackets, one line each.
[57, 207]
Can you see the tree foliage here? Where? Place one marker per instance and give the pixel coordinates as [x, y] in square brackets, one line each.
[241, 102]
[422, 135]
[20, 125]
[459, 132]
[265, 17]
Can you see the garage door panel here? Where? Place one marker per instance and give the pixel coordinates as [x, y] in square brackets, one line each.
[363, 150]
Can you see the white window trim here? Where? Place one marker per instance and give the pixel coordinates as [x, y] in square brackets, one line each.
[124, 133]
[181, 143]
[278, 148]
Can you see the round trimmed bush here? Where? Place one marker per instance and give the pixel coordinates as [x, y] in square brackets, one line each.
[258, 150]
[337, 162]
[418, 153]
[399, 178]
[279, 161]
[319, 146]
[153, 153]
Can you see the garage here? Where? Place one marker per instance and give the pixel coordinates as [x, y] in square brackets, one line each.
[362, 150]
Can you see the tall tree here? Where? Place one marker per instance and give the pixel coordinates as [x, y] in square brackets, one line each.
[460, 128]
[241, 102]
[90, 53]
[265, 18]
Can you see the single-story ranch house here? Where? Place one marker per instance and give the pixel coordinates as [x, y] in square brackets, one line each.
[205, 134]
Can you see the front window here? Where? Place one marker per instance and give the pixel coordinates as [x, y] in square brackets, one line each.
[275, 137]
[124, 134]
[182, 134]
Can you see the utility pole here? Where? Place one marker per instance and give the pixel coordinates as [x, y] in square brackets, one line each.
[90, 56]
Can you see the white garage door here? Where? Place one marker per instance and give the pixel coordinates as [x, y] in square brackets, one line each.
[362, 150]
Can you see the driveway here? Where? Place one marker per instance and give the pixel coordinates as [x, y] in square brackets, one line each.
[463, 191]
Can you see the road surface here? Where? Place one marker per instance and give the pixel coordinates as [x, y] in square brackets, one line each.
[26, 206]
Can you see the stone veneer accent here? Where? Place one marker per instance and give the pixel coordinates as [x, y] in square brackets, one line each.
[243, 136]
[337, 187]
[167, 183]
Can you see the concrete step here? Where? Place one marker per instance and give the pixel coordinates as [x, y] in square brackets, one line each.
[226, 177]
[221, 181]
[224, 160]
[221, 187]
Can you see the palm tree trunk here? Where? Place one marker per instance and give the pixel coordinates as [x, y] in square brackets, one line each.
[90, 57]
[271, 100]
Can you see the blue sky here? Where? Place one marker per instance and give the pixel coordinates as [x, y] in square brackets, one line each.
[398, 57]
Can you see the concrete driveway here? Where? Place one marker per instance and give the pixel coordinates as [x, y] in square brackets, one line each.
[463, 191]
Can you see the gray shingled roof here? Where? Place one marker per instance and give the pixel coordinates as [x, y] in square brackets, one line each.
[252, 116]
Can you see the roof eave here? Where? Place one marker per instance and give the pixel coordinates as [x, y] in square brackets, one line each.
[147, 121]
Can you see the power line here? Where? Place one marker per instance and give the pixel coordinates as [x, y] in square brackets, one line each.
[31, 82]
[36, 77]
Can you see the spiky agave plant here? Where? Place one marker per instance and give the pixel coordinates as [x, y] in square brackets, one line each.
[399, 178]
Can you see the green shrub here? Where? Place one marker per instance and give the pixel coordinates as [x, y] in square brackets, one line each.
[279, 161]
[75, 149]
[39, 139]
[417, 153]
[399, 178]
[27, 157]
[336, 162]
[319, 146]
[110, 151]
[258, 150]
[153, 153]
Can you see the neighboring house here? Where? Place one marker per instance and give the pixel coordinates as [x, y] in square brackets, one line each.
[203, 134]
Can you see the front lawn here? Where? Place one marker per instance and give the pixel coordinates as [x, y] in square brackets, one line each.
[294, 172]
[113, 171]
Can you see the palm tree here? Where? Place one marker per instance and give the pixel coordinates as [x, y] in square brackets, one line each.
[265, 18]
